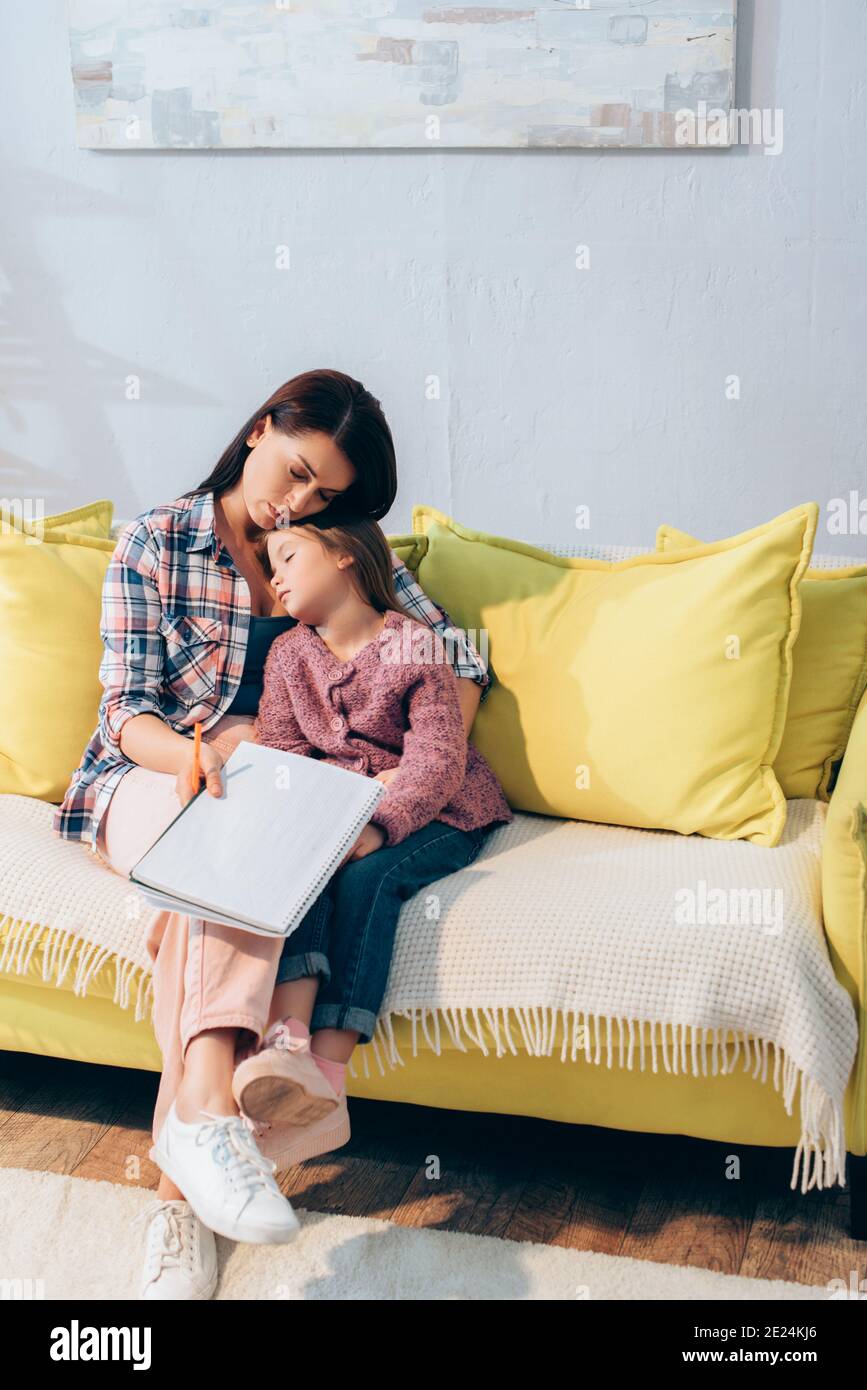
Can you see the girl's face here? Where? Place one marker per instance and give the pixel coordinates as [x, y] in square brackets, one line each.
[290, 476]
[309, 580]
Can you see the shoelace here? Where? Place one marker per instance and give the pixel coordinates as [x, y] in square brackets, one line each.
[278, 1035]
[256, 1127]
[233, 1146]
[171, 1236]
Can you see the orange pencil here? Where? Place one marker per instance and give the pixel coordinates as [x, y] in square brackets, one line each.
[197, 746]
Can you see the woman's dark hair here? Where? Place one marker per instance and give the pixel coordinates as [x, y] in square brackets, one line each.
[335, 404]
[371, 570]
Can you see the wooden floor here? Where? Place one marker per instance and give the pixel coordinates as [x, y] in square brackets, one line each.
[653, 1197]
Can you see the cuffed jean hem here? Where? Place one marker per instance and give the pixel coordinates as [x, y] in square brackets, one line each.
[301, 966]
[344, 1016]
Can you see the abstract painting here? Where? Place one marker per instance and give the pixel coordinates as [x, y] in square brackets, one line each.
[378, 74]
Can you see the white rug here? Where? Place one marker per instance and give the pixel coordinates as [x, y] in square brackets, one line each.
[75, 1236]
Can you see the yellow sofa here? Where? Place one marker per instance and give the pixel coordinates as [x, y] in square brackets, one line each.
[37, 1016]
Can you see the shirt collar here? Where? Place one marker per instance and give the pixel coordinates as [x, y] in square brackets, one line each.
[202, 535]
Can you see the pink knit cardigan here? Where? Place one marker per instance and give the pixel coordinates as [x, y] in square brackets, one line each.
[394, 704]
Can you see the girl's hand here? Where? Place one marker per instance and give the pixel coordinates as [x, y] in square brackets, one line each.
[210, 763]
[386, 777]
[227, 742]
[371, 838]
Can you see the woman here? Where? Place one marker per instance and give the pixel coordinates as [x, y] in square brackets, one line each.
[188, 617]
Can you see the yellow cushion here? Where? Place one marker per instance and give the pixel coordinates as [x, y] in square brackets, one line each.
[93, 519]
[50, 645]
[409, 549]
[50, 652]
[618, 695]
[829, 672]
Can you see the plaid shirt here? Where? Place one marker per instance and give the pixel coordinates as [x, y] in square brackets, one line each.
[175, 619]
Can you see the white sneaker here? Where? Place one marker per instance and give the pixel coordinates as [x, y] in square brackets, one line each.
[180, 1253]
[227, 1181]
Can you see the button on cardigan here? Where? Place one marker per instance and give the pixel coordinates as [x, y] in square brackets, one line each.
[395, 704]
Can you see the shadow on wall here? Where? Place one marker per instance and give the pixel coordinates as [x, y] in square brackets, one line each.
[47, 364]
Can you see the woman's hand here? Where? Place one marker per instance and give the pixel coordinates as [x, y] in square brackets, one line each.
[210, 762]
[469, 697]
[370, 839]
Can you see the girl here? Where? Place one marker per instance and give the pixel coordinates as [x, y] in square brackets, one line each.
[187, 619]
[359, 684]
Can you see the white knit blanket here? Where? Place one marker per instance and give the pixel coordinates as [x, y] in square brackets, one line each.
[56, 894]
[633, 945]
[581, 925]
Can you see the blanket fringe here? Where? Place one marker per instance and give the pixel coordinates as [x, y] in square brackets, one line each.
[821, 1152]
[59, 949]
[820, 1156]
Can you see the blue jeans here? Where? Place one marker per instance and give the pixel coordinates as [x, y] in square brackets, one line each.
[347, 936]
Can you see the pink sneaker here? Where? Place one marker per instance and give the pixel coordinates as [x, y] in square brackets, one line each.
[281, 1083]
[287, 1145]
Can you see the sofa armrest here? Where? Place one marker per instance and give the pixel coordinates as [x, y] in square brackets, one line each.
[844, 904]
[844, 864]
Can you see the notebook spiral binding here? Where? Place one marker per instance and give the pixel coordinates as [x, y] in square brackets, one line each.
[376, 793]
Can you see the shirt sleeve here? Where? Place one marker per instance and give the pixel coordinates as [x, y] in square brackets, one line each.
[133, 661]
[276, 723]
[463, 655]
[434, 757]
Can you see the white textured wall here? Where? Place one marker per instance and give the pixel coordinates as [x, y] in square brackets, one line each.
[559, 387]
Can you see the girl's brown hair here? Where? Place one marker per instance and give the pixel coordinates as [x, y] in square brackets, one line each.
[332, 403]
[371, 570]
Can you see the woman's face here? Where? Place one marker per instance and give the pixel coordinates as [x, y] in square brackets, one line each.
[290, 476]
[309, 580]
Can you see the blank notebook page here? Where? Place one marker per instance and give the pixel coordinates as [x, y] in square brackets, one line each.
[265, 849]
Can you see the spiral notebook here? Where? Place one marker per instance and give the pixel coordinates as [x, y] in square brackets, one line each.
[258, 856]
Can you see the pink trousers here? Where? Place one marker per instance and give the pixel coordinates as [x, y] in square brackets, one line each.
[204, 975]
